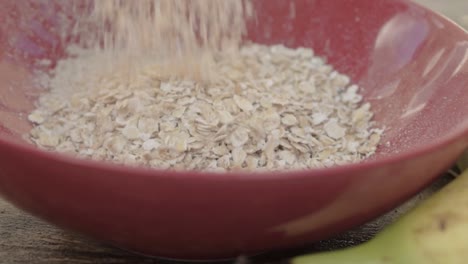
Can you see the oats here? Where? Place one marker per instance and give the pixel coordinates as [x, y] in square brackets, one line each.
[66, 147]
[252, 162]
[167, 154]
[197, 145]
[116, 145]
[299, 132]
[239, 137]
[287, 156]
[270, 148]
[220, 150]
[150, 144]
[159, 164]
[224, 162]
[179, 112]
[169, 125]
[48, 140]
[37, 117]
[134, 105]
[177, 141]
[303, 148]
[265, 102]
[271, 120]
[334, 130]
[305, 53]
[319, 118]
[243, 103]
[307, 87]
[131, 132]
[186, 100]
[351, 95]
[352, 146]
[361, 113]
[289, 110]
[374, 139]
[225, 117]
[289, 120]
[341, 80]
[238, 157]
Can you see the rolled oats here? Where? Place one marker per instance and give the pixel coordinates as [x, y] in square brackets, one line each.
[270, 108]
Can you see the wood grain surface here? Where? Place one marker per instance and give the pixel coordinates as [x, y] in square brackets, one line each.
[26, 239]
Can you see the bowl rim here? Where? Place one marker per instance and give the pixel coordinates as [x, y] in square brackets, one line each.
[373, 163]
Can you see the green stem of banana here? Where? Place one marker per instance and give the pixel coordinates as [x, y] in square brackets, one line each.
[434, 232]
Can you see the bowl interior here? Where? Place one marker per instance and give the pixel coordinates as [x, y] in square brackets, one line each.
[411, 64]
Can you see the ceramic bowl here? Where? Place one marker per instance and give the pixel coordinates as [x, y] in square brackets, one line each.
[411, 63]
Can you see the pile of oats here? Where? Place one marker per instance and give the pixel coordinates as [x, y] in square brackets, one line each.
[271, 108]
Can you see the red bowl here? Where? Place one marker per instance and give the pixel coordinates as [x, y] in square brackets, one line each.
[411, 63]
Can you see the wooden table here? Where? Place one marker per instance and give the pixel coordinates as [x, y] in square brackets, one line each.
[26, 239]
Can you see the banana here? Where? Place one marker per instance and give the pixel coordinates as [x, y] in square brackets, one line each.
[434, 232]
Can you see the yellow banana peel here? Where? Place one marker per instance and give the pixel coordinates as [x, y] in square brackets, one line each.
[434, 232]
